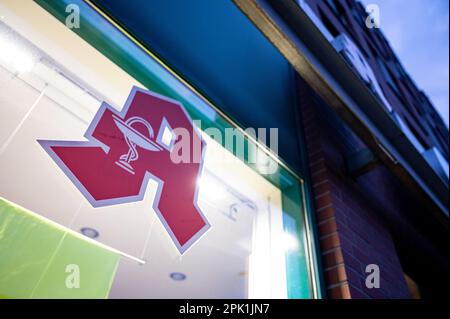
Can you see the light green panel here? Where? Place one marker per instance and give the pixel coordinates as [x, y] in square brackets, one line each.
[26, 246]
[34, 254]
[97, 267]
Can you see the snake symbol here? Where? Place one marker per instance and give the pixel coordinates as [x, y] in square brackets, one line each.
[134, 138]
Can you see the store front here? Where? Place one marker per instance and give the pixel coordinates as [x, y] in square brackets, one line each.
[236, 224]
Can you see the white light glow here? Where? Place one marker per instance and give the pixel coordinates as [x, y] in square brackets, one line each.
[211, 188]
[290, 242]
[14, 56]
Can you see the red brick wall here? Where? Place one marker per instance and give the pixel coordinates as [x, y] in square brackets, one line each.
[352, 233]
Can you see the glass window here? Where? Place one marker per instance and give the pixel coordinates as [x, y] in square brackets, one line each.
[259, 244]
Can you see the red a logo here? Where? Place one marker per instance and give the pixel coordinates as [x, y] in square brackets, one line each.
[124, 152]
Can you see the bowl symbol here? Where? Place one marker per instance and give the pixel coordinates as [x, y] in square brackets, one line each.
[134, 138]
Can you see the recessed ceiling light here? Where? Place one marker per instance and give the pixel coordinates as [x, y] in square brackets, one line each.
[89, 232]
[178, 276]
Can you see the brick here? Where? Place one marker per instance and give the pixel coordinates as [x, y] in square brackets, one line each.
[308, 115]
[313, 134]
[351, 231]
[332, 258]
[315, 152]
[325, 213]
[329, 242]
[315, 156]
[335, 275]
[321, 187]
[341, 291]
[317, 165]
[319, 175]
[327, 227]
[323, 200]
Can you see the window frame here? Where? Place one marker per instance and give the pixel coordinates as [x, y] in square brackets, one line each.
[285, 179]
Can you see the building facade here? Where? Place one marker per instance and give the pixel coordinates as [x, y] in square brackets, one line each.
[366, 216]
[315, 167]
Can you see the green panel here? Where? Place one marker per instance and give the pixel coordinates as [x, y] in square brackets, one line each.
[97, 267]
[26, 246]
[298, 274]
[34, 254]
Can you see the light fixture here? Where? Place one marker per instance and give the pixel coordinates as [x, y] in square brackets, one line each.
[14, 55]
[89, 232]
[178, 276]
